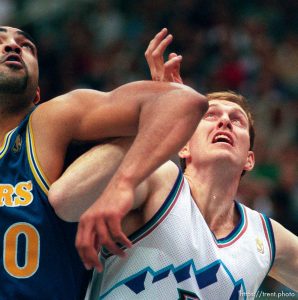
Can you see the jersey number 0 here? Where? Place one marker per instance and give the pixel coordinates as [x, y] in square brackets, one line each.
[31, 250]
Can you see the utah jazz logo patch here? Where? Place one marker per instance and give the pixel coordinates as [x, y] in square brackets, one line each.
[17, 144]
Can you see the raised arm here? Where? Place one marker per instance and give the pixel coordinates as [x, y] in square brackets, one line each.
[285, 266]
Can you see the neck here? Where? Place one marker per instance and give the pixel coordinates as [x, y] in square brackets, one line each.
[10, 119]
[214, 189]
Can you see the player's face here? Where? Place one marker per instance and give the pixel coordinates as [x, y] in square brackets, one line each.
[18, 63]
[222, 135]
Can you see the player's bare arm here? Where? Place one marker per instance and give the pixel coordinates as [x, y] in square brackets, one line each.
[285, 267]
[163, 116]
[87, 176]
[151, 147]
[90, 174]
[143, 107]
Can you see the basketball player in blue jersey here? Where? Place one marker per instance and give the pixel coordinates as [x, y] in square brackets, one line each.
[190, 238]
[38, 255]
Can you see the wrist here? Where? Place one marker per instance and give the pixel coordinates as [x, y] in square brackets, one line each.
[122, 181]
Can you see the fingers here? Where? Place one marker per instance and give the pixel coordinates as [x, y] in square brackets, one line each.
[155, 51]
[160, 70]
[117, 233]
[107, 240]
[85, 243]
[96, 232]
[157, 55]
[172, 68]
[176, 69]
[156, 40]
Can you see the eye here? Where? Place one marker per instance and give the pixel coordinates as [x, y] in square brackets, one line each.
[210, 115]
[238, 122]
[28, 46]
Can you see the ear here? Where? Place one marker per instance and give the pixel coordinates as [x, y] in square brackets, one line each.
[250, 161]
[184, 152]
[37, 96]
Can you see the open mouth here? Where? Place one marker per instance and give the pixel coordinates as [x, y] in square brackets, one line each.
[14, 59]
[223, 138]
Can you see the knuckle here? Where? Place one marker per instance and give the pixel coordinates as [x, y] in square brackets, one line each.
[85, 218]
[155, 54]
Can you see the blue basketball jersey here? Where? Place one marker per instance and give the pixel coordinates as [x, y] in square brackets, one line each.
[38, 255]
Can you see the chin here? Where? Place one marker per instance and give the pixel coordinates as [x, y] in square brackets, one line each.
[223, 155]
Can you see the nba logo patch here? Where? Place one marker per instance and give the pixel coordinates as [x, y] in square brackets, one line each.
[260, 245]
[17, 144]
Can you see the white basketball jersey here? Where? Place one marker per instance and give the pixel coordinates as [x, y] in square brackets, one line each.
[176, 256]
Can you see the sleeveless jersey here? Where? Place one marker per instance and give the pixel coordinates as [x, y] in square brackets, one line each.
[176, 256]
[38, 256]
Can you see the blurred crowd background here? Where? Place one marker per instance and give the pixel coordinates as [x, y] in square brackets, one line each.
[249, 47]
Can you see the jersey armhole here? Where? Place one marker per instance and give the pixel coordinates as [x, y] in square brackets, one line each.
[270, 236]
[35, 167]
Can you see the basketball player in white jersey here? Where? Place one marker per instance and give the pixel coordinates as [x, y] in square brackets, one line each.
[188, 237]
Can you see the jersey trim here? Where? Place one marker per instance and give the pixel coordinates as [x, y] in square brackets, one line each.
[237, 232]
[6, 142]
[33, 161]
[160, 215]
[269, 237]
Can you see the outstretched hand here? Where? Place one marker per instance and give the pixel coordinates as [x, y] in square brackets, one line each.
[100, 226]
[160, 70]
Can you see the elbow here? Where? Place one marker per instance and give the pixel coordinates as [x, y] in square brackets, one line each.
[58, 200]
[203, 104]
[194, 104]
[198, 103]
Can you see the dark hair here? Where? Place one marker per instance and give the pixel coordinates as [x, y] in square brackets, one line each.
[242, 102]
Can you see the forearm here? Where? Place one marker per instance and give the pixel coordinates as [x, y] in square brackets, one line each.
[165, 125]
[84, 180]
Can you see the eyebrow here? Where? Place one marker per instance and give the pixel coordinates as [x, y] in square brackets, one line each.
[26, 35]
[21, 32]
[234, 109]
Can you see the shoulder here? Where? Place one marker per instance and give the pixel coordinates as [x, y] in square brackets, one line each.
[160, 185]
[150, 196]
[164, 177]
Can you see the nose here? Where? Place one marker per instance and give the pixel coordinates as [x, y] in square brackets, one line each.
[12, 47]
[224, 122]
